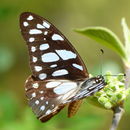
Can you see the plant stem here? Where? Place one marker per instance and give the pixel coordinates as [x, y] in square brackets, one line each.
[117, 114]
[127, 79]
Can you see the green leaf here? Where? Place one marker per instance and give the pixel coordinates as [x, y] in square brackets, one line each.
[105, 37]
[126, 32]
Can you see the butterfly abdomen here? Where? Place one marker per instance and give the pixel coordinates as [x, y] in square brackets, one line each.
[74, 107]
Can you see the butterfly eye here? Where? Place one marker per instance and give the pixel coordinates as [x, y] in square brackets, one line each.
[97, 80]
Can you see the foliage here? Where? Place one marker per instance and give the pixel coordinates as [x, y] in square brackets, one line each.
[117, 89]
[105, 37]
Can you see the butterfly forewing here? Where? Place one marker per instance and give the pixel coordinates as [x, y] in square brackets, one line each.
[51, 54]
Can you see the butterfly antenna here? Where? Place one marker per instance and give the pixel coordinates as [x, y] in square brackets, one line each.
[101, 59]
[115, 75]
[101, 68]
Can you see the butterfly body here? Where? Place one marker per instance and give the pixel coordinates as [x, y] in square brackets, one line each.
[59, 76]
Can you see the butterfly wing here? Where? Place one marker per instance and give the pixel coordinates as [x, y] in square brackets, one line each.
[51, 54]
[48, 97]
[53, 60]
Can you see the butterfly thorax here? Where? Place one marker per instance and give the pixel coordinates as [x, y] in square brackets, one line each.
[89, 87]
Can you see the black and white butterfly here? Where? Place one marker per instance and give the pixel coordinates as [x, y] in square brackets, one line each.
[59, 76]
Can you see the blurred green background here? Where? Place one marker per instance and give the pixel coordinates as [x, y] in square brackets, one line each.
[14, 69]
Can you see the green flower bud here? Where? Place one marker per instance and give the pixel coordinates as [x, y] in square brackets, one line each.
[108, 105]
[113, 93]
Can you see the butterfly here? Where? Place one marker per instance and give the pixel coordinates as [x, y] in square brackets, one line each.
[59, 76]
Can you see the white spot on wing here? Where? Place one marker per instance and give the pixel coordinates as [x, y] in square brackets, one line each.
[49, 57]
[42, 76]
[26, 81]
[46, 102]
[44, 46]
[52, 84]
[35, 31]
[42, 108]
[25, 24]
[45, 33]
[31, 39]
[40, 26]
[34, 59]
[66, 55]
[33, 48]
[30, 17]
[38, 68]
[78, 66]
[57, 37]
[41, 92]
[35, 85]
[48, 112]
[34, 94]
[42, 98]
[65, 87]
[36, 102]
[60, 72]
[45, 24]
[53, 66]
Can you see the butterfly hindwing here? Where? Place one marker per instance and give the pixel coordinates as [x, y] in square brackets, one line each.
[51, 54]
[49, 96]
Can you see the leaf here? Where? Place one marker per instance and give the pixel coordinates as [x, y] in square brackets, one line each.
[126, 32]
[105, 37]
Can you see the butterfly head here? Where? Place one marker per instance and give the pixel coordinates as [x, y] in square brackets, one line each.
[97, 82]
[98, 79]
[93, 84]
